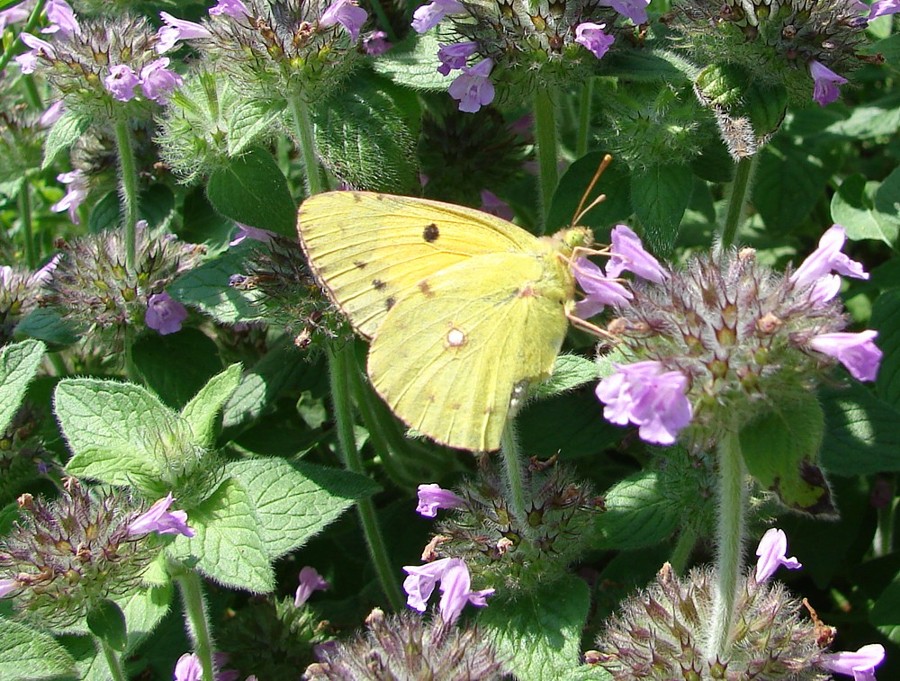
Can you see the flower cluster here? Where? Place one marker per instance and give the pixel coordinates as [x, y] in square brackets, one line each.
[19, 295]
[23, 456]
[724, 336]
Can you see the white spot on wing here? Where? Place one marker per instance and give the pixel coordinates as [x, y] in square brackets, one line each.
[456, 338]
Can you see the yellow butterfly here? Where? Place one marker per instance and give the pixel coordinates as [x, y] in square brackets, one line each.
[463, 309]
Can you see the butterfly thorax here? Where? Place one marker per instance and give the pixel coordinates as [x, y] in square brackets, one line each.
[565, 241]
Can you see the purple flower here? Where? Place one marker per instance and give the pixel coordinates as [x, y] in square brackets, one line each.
[771, 551]
[76, 193]
[636, 10]
[600, 290]
[472, 88]
[493, 204]
[177, 29]
[346, 13]
[432, 497]
[428, 16]
[157, 81]
[158, 519]
[860, 665]
[455, 581]
[592, 37]
[825, 83]
[164, 314]
[310, 580]
[188, 668]
[121, 82]
[53, 113]
[27, 61]
[649, 397]
[827, 258]
[232, 8]
[454, 56]
[856, 351]
[13, 16]
[375, 43]
[882, 8]
[62, 19]
[252, 233]
[8, 586]
[627, 253]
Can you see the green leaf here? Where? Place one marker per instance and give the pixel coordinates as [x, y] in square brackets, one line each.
[201, 412]
[27, 654]
[887, 204]
[99, 421]
[539, 633]
[46, 325]
[638, 514]
[207, 287]
[252, 189]
[862, 435]
[659, 195]
[144, 610]
[294, 504]
[64, 133]
[362, 138]
[250, 120]
[177, 365]
[787, 185]
[228, 544]
[569, 372]
[615, 183]
[879, 118]
[886, 320]
[853, 206]
[781, 447]
[414, 61]
[886, 612]
[107, 622]
[18, 365]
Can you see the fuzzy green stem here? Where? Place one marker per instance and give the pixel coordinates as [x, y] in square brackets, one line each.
[198, 619]
[512, 466]
[31, 93]
[737, 200]
[584, 118]
[883, 541]
[303, 128]
[116, 672]
[340, 362]
[27, 231]
[682, 551]
[128, 190]
[383, 22]
[33, 19]
[131, 370]
[729, 539]
[545, 139]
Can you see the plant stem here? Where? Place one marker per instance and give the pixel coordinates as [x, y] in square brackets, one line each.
[740, 193]
[545, 138]
[198, 619]
[340, 362]
[33, 19]
[303, 128]
[116, 672]
[128, 190]
[883, 541]
[512, 465]
[27, 232]
[683, 548]
[730, 536]
[584, 118]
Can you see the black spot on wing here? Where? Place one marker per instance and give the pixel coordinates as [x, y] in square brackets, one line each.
[359, 264]
[378, 284]
[390, 302]
[431, 233]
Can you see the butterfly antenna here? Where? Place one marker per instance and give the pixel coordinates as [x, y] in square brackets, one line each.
[581, 211]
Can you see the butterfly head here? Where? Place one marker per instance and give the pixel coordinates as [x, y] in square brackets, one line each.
[572, 238]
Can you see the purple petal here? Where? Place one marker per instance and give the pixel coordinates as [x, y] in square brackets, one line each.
[772, 550]
[627, 253]
[432, 497]
[856, 351]
[825, 83]
[310, 580]
[860, 665]
[164, 314]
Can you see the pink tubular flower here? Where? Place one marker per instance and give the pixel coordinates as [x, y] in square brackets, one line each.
[856, 351]
[600, 290]
[627, 254]
[346, 13]
[432, 497]
[592, 37]
[158, 519]
[27, 61]
[493, 204]
[375, 43]
[772, 550]
[8, 586]
[14, 15]
[62, 19]
[157, 81]
[75, 194]
[253, 233]
[232, 8]
[636, 10]
[53, 113]
[428, 16]
[310, 580]
[649, 397]
[188, 668]
[176, 29]
[121, 82]
[881, 8]
[455, 56]
[825, 83]
[827, 258]
[164, 314]
[455, 583]
[860, 665]
[473, 88]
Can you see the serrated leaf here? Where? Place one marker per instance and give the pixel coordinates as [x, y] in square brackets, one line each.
[539, 633]
[853, 207]
[228, 543]
[118, 432]
[144, 610]
[18, 365]
[177, 365]
[202, 411]
[660, 194]
[569, 372]
[413, 63]
[207, 287]
[249, 121]
[252, 190]
[861, 436]
[887, 205]
[294, 504]
[46, 325]
[787, 184]
[637, 514]
[27, 654]
[64, 133]
[615, 183]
